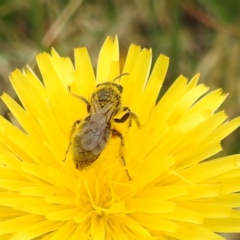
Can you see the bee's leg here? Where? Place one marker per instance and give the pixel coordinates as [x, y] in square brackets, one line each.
[118, 134]
[73, 128]
[70, 136]
[66, 153]
[82, 99]
[128, 115]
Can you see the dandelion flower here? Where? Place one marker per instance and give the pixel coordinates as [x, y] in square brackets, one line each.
[175, 192]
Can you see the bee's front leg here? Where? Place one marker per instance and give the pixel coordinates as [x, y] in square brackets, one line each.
[128, 115]
[82, 99]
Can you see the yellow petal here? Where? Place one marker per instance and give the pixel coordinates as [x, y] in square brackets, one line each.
[97, 228]
[108, 61]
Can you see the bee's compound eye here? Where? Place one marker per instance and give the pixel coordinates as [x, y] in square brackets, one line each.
[120, 88]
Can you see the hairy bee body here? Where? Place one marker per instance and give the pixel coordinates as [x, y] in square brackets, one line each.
[90, 136]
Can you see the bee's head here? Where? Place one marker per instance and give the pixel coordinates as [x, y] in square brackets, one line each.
[110, 86]
[108, 92]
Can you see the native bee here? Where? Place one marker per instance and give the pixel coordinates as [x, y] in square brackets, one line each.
[93, 133]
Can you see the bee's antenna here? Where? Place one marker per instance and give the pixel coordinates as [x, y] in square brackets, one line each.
[123, 74]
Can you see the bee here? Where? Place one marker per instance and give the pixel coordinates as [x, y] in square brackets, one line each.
[90, 136]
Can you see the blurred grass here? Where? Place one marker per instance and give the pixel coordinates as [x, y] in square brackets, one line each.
[199, 36]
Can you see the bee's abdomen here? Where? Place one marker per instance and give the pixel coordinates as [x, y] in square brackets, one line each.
[81, 157]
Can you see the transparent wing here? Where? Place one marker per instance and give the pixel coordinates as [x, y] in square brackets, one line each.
[95, 134]
[96, 131]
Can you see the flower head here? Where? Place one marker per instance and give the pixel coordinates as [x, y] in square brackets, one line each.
[174, 193]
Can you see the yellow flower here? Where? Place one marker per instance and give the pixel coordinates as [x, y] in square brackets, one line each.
[174, 192]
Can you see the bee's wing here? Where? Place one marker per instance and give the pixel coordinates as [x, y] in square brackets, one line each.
[95, 134]
[96, 131]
